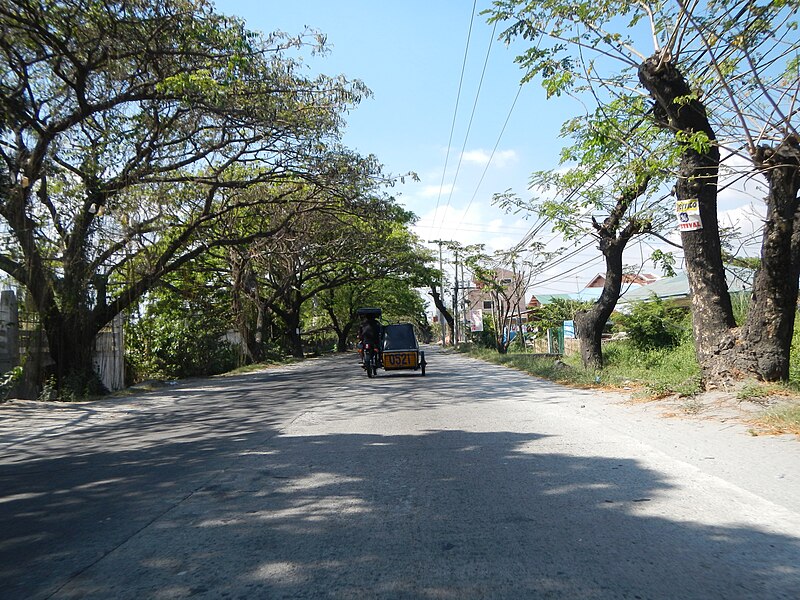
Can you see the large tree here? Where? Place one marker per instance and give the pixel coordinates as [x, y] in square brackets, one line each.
[129, 129]
[603, 189]
[505, 281]
[723, 81]
[326, 249]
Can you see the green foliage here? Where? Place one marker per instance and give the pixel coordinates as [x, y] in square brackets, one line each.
[553, 314]
[178, 337]
[49, 390]
[153, 128]
[664, 260]
[755, 391]
[696, 140]
[77, 386]
[654, 324]
[659, 372]
[486, 338]
[8, 380]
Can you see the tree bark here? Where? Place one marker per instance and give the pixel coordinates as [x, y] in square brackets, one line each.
[761, 347]
[677, 109]
[767, 334]
[71, 345]
[437, 300]
[590, 323]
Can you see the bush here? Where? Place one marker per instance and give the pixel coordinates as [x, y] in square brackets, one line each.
[174, 338]
[655, 324]
[7, 382]
[486, 338]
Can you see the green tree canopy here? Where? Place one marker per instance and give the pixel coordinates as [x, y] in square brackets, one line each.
[129, 130]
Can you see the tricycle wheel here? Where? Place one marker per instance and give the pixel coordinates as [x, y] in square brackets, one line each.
[369, 363]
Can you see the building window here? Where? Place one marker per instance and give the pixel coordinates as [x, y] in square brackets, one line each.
[487, 305]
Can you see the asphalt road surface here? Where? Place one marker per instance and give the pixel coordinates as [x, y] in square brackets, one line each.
[312, 481]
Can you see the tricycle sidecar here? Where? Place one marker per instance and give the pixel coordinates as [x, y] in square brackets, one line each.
[400, 348]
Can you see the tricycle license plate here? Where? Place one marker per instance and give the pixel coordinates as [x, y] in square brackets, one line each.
[399, 360]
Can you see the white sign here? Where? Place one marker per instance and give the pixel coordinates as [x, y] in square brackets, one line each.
[476, 320]
[688, 212]
[569, 330]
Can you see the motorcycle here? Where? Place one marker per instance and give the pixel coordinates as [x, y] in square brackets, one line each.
[369, 359]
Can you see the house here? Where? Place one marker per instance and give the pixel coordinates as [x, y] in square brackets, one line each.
[599, 280]
[676, 288]
[478, 298]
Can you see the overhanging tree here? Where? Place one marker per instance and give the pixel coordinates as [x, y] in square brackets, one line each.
[723, 76]
[603, 190]
[125, 129]
[327, 249]
[507, 293]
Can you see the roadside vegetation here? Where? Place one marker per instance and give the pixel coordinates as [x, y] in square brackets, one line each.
[655, 361]
[164, 166]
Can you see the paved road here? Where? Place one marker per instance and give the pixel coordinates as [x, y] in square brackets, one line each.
[312, 481]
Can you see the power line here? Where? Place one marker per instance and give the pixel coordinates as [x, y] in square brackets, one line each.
[478, 228]
[455, 110]
[491, 156]
[588, 262]
[469, 124]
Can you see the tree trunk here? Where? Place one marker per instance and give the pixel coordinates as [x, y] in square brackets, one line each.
[342, 337]
[767, 334]
[712, 313]
[437, 300]
[71, 345]
[293, 335]
[761, 348]
[590, 323]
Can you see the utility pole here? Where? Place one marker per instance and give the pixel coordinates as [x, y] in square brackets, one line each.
[465, 302]
[442, 323]
[456, 328]
[520, 300]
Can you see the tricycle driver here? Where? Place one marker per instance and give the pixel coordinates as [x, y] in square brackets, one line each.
[370, 332]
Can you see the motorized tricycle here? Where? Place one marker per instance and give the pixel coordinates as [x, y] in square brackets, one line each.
[397, 348]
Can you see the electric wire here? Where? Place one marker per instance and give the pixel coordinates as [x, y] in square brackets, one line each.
[469, 125]
[491, 156]
[455, 110]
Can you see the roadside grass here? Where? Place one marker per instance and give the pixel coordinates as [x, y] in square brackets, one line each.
[656, 373]
[781, 419]
[547, 367]
[661, 373]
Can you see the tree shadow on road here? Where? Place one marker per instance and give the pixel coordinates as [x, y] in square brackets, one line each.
[247, 512]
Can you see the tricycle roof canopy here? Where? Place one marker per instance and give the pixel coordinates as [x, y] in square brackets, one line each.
[369, 312]
[399, 337]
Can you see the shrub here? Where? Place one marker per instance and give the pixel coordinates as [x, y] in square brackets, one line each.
[7, 382]
[487, 337]
[655, 324]
[175, 338]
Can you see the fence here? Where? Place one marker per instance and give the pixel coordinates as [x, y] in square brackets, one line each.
[25, 343]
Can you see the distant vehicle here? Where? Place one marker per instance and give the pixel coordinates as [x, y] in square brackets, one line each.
[401, 350]
[398, 348]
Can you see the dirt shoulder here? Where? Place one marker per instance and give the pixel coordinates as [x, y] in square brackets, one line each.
[762, 415]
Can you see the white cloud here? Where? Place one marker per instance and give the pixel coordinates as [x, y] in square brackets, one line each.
[477, 224]
[481, 157]
[434, 191]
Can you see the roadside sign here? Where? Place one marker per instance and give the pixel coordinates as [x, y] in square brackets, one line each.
[688, 212]
[569, 329]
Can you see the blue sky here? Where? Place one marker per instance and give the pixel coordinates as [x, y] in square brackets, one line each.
[411, 54]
